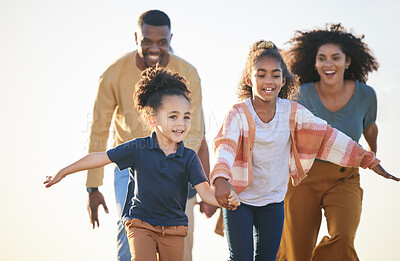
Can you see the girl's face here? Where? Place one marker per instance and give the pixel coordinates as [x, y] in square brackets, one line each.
[266, 79]
[331, 63]
[173, 120]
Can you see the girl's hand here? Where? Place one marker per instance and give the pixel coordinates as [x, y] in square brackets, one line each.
[222, 191]
[380, 171]
[233, 200]
[50, 180]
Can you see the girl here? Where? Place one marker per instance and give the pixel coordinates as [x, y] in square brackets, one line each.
[332, 66]
[154, 213]
[262, 140]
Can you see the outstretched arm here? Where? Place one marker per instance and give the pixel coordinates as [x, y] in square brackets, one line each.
[90, 161]
[381, 171]
[207, 194]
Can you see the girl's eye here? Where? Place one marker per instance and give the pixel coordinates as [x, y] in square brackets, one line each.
[172, 117]
[260, 75]
[276, 76]
[187, 118]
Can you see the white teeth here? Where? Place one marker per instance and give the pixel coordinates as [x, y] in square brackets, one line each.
[329, 72]
[153, 57]
[268, 89]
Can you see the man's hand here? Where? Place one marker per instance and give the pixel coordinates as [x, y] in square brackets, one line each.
[222, 191]
[207, 209]
[94, 200]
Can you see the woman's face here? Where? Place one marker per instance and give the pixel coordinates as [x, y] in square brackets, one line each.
[331, 63]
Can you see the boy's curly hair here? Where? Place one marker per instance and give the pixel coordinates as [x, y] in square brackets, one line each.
[258, 50]
[305, 45]
[155, 84]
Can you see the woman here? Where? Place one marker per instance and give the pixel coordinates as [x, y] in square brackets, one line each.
[332, 66]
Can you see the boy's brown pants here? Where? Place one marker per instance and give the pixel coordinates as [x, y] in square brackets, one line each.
[336, 190]
[146, 240]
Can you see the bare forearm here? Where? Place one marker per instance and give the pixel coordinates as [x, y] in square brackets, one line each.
[371, 136]
[207, 194]
[204, 157]
[90, 161]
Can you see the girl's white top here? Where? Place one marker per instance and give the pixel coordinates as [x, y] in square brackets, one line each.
[270, 157]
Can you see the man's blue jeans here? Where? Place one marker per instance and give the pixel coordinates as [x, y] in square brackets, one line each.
[250, 227]
[121, 179]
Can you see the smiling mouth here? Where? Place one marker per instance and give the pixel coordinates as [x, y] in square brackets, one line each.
[268, 89]
[178, 131]
[154, 58]
[330, 73]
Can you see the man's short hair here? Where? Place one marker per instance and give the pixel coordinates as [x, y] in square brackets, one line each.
[154, 17]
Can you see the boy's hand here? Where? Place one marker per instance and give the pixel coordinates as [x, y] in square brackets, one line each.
[380, 171]
[50, 180]
[233, 200]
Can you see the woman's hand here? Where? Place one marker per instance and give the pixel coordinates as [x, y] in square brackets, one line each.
[380, 171]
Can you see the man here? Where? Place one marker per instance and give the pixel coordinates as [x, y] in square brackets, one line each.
[114, 102]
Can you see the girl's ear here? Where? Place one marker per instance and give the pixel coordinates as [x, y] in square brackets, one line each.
[248, 81]
[152, 120]
[283, 82]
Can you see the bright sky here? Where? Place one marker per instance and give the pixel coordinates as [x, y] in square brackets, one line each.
[51, 56]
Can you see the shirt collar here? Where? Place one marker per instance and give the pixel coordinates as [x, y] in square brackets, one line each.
[153, 144]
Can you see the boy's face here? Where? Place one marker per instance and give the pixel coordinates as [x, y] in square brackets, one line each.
[153, 45]
[173, 120]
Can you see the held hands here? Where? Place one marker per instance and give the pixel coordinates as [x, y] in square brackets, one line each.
[223, 194]
[233, 199]
[380, 171]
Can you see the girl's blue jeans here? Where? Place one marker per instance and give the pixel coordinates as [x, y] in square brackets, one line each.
[254, 233]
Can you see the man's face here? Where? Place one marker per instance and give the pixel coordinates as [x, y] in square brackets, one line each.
[153, 44]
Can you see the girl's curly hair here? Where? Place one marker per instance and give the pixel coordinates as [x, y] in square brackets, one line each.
[155, 84]
[305, 45]
[262, 49]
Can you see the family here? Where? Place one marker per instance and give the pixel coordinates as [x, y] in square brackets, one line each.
[285, 151]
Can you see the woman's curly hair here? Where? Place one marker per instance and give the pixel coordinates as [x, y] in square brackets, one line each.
[155, 84]
[305, 45]
[258, 50]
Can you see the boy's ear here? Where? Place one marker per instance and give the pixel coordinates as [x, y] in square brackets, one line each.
[248, 81]
[152, 120]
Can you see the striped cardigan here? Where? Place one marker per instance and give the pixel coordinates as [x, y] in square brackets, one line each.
[311, 138]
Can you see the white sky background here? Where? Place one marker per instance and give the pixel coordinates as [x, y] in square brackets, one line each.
[51, 56]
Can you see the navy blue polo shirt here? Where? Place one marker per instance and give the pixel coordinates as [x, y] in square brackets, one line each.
[158, 184]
